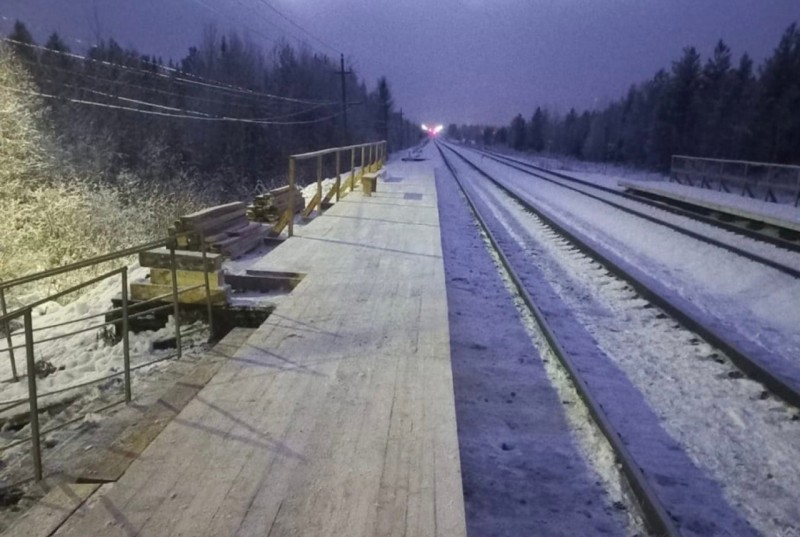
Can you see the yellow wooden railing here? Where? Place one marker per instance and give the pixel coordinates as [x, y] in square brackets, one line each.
[373, 156]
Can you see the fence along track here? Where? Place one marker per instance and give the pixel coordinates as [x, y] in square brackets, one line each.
[665, 205]
[655, 514]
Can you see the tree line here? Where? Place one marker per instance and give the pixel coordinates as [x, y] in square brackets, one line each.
[227, 114]
[714, 109]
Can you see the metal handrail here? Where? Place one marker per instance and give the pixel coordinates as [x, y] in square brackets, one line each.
[750, 162]
[26, 313]
[84, 264]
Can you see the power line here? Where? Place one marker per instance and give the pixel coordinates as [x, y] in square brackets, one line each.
[175, 109]
[286, 17]
[165, 114]
[146, 89]
[201, 82]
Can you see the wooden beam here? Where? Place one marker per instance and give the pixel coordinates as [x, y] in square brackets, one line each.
[147, 291]
[312, 205]
[184, 259]
[187, 278]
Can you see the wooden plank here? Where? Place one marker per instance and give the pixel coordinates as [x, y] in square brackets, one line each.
[310, 207]
[135, 439]
[232, 238]
[337, 417]
[146, 291]
[219, 223]
[212, 212]
[184, 260]
[282, 223]
[187, 278]
[50, 512]
[330, 194]
[242, 245]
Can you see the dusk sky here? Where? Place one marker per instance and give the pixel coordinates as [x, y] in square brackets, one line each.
[461, 61]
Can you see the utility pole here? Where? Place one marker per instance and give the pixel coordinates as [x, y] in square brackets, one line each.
[343, 74]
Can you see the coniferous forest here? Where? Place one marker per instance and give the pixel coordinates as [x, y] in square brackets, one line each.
[228, 110]
[719, 107]
[103, 148]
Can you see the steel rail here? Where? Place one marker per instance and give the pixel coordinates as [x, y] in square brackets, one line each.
[749, 366]
[791, 271]
[672, 206]
[656, 515]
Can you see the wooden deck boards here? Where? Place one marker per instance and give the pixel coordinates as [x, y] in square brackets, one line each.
[337, 417]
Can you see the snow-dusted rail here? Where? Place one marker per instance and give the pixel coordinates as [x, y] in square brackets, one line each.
[755, 361]
[656, 515]
[770, 234]
[639, 429]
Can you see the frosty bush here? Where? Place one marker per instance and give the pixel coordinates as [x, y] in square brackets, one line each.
[56, 212]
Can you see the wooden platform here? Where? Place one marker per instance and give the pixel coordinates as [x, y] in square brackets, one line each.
[337, 417]
[779, 215]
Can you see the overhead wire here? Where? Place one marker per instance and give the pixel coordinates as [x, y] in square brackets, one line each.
[298, 26]
[187, 96]
[201, 83]
[169, 115]
[175, 109]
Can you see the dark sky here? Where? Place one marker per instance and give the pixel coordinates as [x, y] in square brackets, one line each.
[450, 60]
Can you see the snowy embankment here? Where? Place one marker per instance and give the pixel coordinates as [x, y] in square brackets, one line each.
[729, 427]
[751, 302]
[686, 488]
[514, 482]
[89, 355]
[77, 359]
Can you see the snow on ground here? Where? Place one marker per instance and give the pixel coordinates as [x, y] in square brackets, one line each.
[523, 463]
[77, 358]
[611, 176]
[759, 248]
[753, 302]
[746, 441]
[755, 208]
[698, 500]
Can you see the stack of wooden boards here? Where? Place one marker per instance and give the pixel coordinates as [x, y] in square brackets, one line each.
[269, 207]
[190, 273]
[224, 228]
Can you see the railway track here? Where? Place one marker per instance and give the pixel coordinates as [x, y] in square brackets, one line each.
[747, 356]
[660, 515]
[758, 231]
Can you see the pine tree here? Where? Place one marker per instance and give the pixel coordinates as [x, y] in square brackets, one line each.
[517, 133]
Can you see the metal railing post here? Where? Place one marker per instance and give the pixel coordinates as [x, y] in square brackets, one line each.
[363, 162]
[352, 169]
[338, 172]
[319, 184]
[204, 250]
[176, 305]
[9, 339]
[292, 172]
[126, 350]
[369, 159]
[32, 398]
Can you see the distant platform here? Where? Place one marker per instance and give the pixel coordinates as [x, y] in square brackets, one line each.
[336, 417]
[775, 214]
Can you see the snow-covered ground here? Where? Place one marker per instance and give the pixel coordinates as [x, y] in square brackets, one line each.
[729, 427]
[617, 177]
[774, 213]
[532, 464]
[81, 357]
[754, 304]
